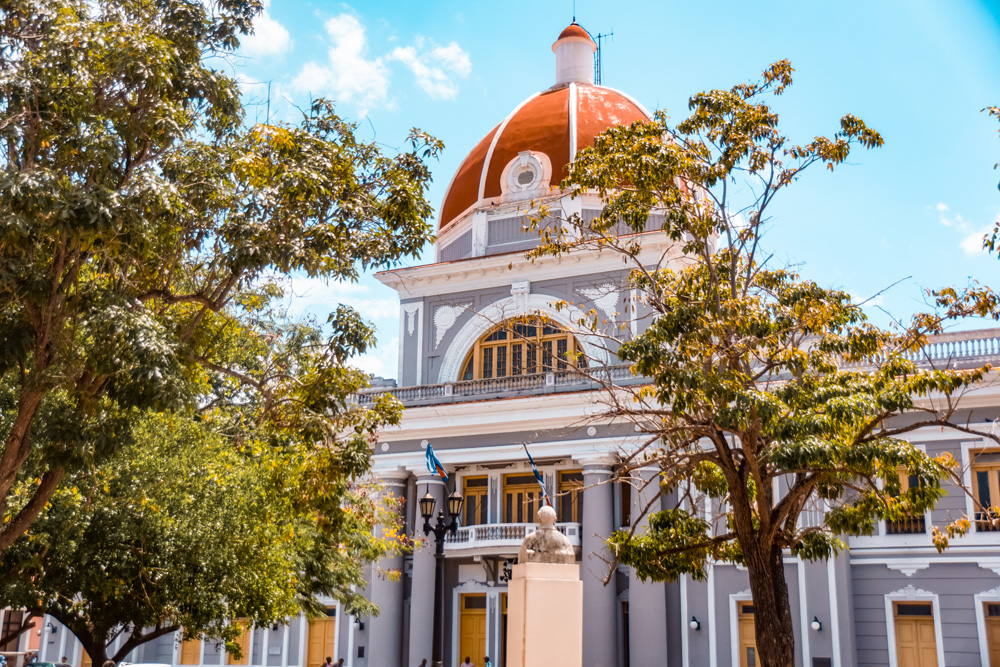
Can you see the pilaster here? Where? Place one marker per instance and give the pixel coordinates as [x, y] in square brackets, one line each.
[422, 579]
[600, 602]
[386, 629]
[647, 607]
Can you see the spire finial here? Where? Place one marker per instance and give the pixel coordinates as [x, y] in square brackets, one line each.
[574, 11]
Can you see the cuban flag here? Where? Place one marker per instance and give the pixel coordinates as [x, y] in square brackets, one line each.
[538, 475]
[434, 464]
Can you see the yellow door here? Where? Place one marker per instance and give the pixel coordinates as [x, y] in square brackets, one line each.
[191, 652]
[244, 642]
[748, 638]
[915, 642]
[992, 612]
[321, 638]
[472, 631]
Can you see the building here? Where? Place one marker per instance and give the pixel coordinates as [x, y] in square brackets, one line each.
[477, 395]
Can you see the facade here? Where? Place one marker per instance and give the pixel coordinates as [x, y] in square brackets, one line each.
[478, 396]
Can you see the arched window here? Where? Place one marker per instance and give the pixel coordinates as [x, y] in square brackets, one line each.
[522, 347]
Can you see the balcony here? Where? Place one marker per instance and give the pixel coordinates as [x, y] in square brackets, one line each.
[964, 349]
[505, 537]
[913, 525]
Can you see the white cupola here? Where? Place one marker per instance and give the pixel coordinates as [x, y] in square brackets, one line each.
[574, 55]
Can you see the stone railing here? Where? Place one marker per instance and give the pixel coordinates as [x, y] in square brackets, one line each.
[509, 535]
[966, 348]
[512, 385]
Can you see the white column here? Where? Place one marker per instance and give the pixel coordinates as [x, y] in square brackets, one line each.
[600, 601]
[422, 581]
[386, 629]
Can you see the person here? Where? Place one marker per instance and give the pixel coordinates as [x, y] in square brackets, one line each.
[340, 663]
[329, 662]
[64, 662]
[423, 663]
[486, 662]
[109, 663]
[467, 663]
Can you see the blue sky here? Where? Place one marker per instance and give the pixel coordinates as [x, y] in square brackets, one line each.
[917, 71]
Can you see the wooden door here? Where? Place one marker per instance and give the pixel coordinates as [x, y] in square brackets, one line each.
[244, 642]
[992, 613]
[472, 633]
[747, 636]
[191, 652]
[915, 642]
[322, 634]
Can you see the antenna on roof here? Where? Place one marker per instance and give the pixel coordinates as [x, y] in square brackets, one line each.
[574, 11]
[598, 74]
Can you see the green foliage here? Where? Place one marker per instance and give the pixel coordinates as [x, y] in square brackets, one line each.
[187, 529]
[769, 394]
[145, 233]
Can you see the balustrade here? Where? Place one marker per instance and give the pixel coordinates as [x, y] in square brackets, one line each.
[503, 535]
[953, 348]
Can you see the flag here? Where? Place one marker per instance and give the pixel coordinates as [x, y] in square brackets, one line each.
[435, 465]
[538, 475]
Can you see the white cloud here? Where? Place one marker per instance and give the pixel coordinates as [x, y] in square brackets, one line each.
[972, 244]
[269, 37]
[434, 69]
[348, 75]
[941, 207]
[381, 362]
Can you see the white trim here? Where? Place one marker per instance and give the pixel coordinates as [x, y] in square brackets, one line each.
[175, 653]
[303, 641]
[685, 629]
[734, 623]
[465, 588]
[265, 644]
[912, 594]
[804, 612]
[493, 145]
[713, 621]
[339, 611]
[572, 122]
[503, 309]
[992, 595]
[284, 643]
[831, 582]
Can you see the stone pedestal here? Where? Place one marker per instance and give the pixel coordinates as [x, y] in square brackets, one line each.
[545, 616]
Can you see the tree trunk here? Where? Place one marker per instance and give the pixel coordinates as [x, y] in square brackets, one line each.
[772, 612]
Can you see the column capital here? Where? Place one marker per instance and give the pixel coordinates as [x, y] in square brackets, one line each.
[605, 460]
[391, 476]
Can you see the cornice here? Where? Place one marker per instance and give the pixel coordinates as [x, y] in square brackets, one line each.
[499, 270]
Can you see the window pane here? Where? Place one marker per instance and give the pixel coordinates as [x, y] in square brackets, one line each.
[547, 355]
[561, 346]
[487, 362]
[501, 362]
[516, 359]
[914, 609]
[751, 657]
[983, 488]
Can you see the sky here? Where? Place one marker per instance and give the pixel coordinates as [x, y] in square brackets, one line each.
[886, 227]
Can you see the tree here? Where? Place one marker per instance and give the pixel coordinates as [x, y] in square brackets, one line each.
[768, 393]
[182, 530]
[142, 220]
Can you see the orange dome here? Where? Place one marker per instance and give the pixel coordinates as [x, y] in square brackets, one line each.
[557, 122]
[574, 29]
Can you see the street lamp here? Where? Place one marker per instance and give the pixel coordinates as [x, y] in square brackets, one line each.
[441, 528]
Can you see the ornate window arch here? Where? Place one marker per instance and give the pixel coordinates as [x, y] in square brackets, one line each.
[522, 346]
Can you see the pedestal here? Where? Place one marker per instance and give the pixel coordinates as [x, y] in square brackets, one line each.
[545, 616]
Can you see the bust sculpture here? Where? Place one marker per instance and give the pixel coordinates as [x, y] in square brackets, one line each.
[546, 544]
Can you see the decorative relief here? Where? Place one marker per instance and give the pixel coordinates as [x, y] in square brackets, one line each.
[907, 566]
[519, 292]
[411, 317]
[911, 593]
[445, 318]
[605, 299]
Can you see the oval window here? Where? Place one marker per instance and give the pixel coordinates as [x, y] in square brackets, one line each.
[525, 177]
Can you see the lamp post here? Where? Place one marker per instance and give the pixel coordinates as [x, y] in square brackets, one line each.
[441, 528]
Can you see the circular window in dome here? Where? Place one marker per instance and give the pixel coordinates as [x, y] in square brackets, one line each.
[524, 175]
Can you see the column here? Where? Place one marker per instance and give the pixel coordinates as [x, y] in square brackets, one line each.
[386, 629]
[647, 601]
[600, 603]
[422, 581]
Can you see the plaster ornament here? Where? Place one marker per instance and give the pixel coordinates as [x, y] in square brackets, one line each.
[546, 544]
[411, 317]
[910, 593]
[605, 299]
[445, 318]
[519, 293]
